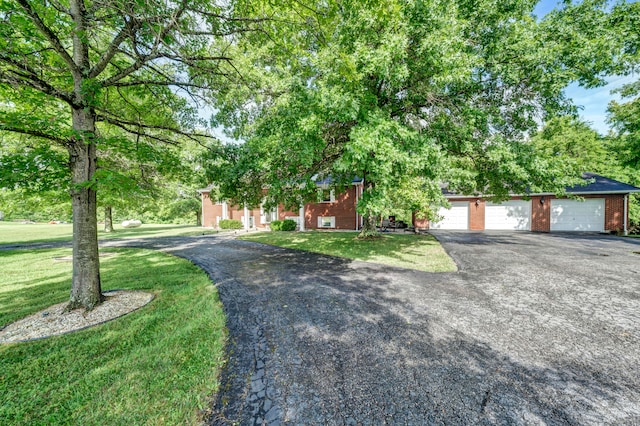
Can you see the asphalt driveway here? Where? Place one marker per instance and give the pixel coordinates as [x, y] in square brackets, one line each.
[533, 329]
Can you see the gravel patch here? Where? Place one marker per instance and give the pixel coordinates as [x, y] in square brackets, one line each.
[55, 320]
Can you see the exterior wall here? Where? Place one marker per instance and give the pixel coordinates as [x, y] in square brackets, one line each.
[419, 223]
[614, 212]
[344, 212]
[283, 214]
[476, 214]
[343, 209]
[237, 213]
[541, 214]
[210, 211]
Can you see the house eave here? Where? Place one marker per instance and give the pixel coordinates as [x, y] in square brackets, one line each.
[545, 194]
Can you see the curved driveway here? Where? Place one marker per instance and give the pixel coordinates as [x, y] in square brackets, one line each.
[533, 329]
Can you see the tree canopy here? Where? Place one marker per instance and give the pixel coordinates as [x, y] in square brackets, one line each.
[407, 95]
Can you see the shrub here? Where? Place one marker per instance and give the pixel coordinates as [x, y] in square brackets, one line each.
[230, 224]
[283, 225]
[276, 225]
[289, 225]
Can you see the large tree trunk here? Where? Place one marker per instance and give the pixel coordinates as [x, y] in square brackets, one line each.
[199, 218]
[86, 291]
[369, 226]
[370, 220]
[108, 219]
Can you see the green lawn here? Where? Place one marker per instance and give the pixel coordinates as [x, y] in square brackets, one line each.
[158, 365]
[420, 252]
[12, 232]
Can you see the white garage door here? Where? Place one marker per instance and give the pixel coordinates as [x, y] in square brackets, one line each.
[574, 215]
[512, 215]
[457, 217]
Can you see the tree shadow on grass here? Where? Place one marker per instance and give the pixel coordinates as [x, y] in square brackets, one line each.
[410, 251]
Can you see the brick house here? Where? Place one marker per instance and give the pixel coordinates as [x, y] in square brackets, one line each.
[331, 211]
[603, 208]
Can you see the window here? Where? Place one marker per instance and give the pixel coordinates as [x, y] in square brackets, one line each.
[326, 222]
[326, 195]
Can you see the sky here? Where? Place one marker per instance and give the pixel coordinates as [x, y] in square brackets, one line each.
[592, 103]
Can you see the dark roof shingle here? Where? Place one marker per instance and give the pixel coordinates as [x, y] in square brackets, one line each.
[601, 185]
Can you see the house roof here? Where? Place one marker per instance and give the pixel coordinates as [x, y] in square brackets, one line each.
[601, 185]
[207, 189]
[324, 181]
[596, 184]
[329, 180]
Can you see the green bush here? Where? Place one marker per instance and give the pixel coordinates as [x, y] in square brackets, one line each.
[230, 224]
[289, 225]
[283, 225]
[276, 225]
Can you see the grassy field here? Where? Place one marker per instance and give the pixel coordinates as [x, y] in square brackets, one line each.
[158, 365]
[411, 251]
[12, 232]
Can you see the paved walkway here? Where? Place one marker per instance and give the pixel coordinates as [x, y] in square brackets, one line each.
[534, 329]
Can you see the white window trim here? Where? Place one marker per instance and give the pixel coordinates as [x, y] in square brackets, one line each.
[321, 222]
[332, 195]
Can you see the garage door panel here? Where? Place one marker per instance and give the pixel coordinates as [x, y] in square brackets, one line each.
[575, 215]
[512, 215]
[454, 218]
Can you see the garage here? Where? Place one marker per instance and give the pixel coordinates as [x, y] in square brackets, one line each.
[456, 217]
[575, 215]
[514, 215]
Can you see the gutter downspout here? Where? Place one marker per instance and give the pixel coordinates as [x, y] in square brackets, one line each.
[202, 209]
[626, 213]
[356, 188]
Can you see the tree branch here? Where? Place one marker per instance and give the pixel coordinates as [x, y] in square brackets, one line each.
[124, 124]
[21, 74]
[160, 83]
[31, 132]
[110, 52]
[139, 63]
[142, 60]
[50, 35]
